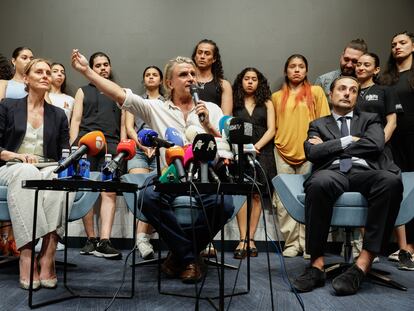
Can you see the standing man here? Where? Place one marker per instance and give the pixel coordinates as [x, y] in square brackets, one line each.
[347, 160]
[213, 87]
[95, 111]
[347, 63]
[178, 111]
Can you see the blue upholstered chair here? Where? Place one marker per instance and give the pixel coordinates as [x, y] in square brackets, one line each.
[83, 203]
[350, 211]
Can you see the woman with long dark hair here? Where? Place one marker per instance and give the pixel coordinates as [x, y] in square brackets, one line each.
[296, 104]
[399, 74]
[251, 98]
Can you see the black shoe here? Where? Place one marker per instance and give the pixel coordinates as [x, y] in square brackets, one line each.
[348, 282]
[405, 260]
[106, 250]
[310, 279]
[90, 246]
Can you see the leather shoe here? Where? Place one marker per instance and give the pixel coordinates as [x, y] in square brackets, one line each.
[348, 282]
[170, 266]
[192, 273]
[310, 279]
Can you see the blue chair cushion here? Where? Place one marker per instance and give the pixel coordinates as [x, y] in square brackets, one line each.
[345, 200]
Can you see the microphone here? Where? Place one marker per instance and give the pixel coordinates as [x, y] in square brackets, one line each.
[91, 143]
[170, 175]
[174, 136]
[126, 149]
[240, 132]
[204, 150]
[224, 165]
[196, 99]
[249, 151]
[192, 131]
[189, 162]
[175, 156]
[149, 138]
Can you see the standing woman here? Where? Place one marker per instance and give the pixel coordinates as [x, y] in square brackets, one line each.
[57, 94]
[251, 98]
[31, 129]
[15, 88]
[144, 160]
[399, 74]
[296, 104]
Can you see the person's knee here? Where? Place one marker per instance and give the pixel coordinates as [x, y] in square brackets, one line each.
[27, 171]
[391, 181]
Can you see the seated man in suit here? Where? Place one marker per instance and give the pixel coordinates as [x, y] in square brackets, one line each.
[344, 161]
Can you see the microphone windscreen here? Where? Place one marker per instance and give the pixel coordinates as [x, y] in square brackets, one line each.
[240, 132]
[172, 153]
[170, 175]
[144, 137]
[174, 136]
[188, 156]
[224, 125]
[192, 131]
[95, 141]
[127, 146]
[204, 147]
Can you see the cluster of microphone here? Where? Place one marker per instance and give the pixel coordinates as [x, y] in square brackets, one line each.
[207, 158]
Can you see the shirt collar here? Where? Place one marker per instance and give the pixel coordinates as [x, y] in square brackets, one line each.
[349, 115]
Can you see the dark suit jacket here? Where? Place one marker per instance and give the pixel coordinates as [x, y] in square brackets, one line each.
[369, 147]
[13, 124]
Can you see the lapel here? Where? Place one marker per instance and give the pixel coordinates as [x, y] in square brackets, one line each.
[332, 126]
[20, 119]
[354, 124]
[48, 127]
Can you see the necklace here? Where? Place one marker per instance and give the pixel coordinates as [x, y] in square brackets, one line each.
[362, 93]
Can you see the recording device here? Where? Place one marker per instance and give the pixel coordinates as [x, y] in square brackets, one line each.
[175, 156]
[204, 151]
[126, 149]
[196, 99]
[240, 132]
[174, 136]
[91, 143]
[149, 138]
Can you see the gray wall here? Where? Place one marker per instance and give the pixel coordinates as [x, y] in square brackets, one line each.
[260, 33]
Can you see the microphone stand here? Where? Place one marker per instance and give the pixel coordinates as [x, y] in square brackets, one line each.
[241, 161]
[157, 159]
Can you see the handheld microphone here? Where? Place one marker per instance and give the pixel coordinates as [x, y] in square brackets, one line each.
[170, 175]
[224, 165]
[196, 99]
[174, 136]
[91, 143]
[204, 150]
[192, 131]
[189, 162]
[126, 149]
[175, 156]
[149, 138]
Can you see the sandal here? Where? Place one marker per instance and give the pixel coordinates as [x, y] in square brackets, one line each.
[253, 250]
[241, 253]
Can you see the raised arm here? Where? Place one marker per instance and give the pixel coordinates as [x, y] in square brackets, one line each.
[106, 86]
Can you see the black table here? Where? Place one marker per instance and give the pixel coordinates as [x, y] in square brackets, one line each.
[75, 185]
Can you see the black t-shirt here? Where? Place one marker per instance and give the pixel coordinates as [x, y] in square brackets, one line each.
[405, 121]
[210, 92]
[379, 99]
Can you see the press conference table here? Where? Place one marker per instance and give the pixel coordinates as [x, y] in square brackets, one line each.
[75, 185]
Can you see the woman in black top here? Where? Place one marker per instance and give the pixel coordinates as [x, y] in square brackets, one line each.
[251, 98]
[399, 74]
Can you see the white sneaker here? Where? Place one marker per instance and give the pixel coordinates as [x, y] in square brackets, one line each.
[145, 248]
[394, 256]
[60, 247]
[38, 246]
[376, 259]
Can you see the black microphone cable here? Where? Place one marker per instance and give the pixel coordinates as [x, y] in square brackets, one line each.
[147, 183]
[278, 247]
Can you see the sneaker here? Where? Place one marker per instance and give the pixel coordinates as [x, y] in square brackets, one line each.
[291, 252]
[90, 246]
[348, 282]
[405, 260]
[106, 250]
[376, 260]
[145, 247]
[60, 246]
[310, 279]
[394, 256]
[38, 246]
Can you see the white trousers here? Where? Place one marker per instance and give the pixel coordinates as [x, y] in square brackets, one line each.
[50, 208]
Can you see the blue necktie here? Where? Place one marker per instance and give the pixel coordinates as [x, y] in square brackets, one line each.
[345, 164]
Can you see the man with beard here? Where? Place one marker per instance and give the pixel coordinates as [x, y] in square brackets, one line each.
[347, 62]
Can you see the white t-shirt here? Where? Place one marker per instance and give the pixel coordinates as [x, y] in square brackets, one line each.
[64, 102]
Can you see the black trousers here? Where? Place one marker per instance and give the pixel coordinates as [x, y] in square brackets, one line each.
[382, 189]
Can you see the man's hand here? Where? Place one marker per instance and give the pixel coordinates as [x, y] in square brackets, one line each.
[315, 140]
[79, 62]
[202, 109]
